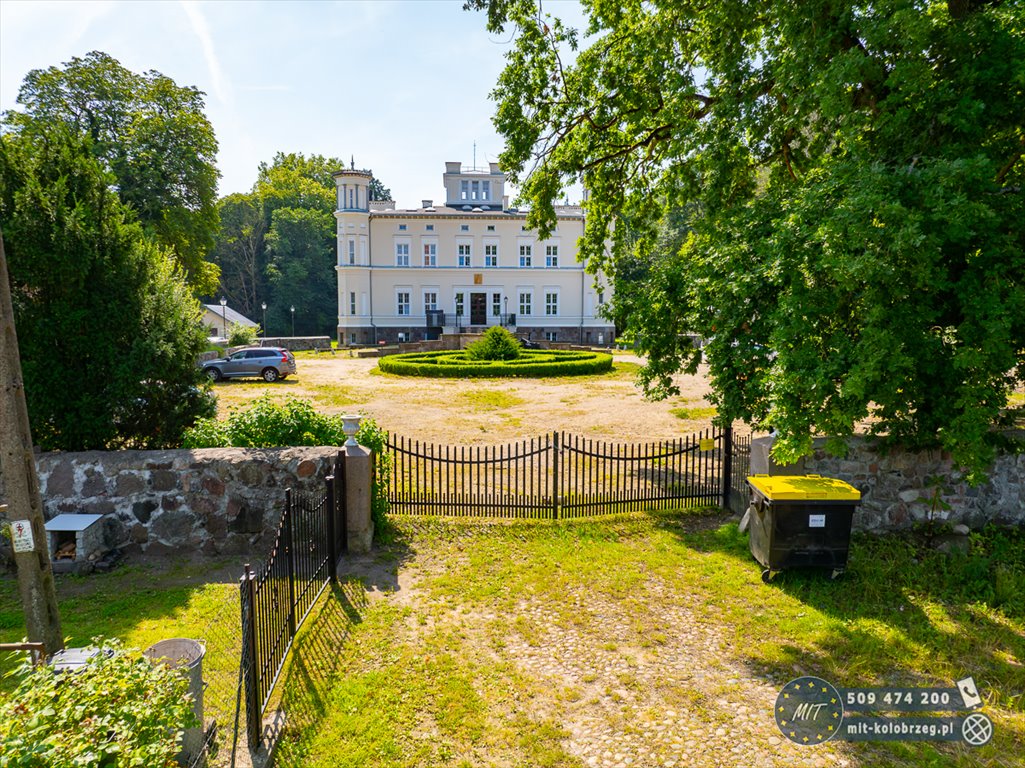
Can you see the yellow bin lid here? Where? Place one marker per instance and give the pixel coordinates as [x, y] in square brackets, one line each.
[782, 487]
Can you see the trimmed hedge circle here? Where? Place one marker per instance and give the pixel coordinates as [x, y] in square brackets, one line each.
[531, 362]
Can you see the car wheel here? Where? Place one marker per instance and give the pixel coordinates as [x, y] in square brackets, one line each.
[270, 375]
[214, 374]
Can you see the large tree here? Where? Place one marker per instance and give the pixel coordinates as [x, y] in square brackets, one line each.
[855, 172]
[151, 134]
[277, 244]
[108, 329]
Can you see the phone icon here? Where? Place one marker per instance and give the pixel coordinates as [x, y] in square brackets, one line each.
[969, 693]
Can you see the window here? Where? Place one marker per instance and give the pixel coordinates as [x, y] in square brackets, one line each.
[352, 303]
[430, 227]
[464, 227]
[601, 298]
[551, 304]
[491, 227]
[485, 190]
[491, 255]
[402, 227]
[460, 304]
[551, 255]
[430, 301]
[401, 254]
[496, 304]
[551, 336]
[526, 299]
[430, 254]
[352, 337]
[352, 251]
[464, 190]
[403, 336]
[464, 254]
[402, 303]
[526, 255]
[475, 190]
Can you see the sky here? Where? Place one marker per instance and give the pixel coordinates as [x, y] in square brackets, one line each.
[400, 85]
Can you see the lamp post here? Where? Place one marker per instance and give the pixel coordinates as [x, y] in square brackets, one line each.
[506, 319]
[263, 305]
[293, 321]
[224, 316]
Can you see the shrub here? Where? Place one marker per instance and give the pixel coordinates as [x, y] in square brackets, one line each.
[116, 712]
[241, 335]
[530, 363]
[496, 344]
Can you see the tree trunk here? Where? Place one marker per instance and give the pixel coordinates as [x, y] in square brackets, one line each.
[35, 576]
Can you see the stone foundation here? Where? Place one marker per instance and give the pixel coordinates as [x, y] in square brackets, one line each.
[213, 501]
[895, 484]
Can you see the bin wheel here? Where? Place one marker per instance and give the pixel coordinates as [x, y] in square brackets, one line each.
[836, 574]
[766, 576]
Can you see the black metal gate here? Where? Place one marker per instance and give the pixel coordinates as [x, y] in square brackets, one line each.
[559, 476]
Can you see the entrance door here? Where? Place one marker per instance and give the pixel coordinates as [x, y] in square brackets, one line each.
[478, 309]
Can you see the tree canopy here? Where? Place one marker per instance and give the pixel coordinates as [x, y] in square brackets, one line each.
[150, 134]
[108, 329]
[854, 181]
[278, 244]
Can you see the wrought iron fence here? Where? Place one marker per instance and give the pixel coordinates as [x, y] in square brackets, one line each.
[559, 476]
[277, 599]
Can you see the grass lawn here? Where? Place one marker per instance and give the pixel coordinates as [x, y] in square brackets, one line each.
[549, 644]
[647, 636]
[141, 604]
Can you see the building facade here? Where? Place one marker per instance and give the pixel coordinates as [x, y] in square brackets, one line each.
[462, 266]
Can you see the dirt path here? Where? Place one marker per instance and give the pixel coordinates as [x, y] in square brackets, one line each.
[644, 681]
[483, 411]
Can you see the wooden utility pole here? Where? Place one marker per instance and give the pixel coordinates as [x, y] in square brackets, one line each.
[18, 465]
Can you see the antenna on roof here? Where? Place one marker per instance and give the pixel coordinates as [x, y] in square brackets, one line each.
[352, 162]
[475, 155]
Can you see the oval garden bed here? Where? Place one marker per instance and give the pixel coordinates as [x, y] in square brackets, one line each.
[530, 362]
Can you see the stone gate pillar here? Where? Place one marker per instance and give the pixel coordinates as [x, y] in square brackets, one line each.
[358, 496]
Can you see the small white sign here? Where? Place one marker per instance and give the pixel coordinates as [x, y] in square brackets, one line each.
[816, 521]
[21, 536]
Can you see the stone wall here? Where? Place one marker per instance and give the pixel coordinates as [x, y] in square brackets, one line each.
[895, 483]
[212, 501]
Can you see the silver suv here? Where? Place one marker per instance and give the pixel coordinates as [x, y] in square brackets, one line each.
[270, 363]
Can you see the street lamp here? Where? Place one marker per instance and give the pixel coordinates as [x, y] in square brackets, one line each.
[506, 321]
[263, 304]
[293, 321]
[224, 316]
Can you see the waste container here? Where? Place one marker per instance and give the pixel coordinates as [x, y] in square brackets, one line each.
[800, 521]
[182, 653]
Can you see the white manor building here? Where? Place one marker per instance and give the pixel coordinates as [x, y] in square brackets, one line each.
[465, 265]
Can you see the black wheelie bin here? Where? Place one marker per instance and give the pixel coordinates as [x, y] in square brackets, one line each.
[800, 521]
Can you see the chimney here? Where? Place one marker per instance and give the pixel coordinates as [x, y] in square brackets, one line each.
[494, 168]
[505, 202]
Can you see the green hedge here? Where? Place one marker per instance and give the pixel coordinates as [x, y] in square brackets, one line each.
[530, 363]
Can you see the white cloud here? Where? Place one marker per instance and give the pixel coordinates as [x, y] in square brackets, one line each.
[202, 31]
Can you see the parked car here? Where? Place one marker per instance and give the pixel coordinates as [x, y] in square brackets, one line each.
[269, 363]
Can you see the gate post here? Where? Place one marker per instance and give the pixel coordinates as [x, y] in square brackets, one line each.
[359, 490]
[250, 669]
[341, 506]
[727, 466]
[290, 561]
[556, 480]
[332, 541]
